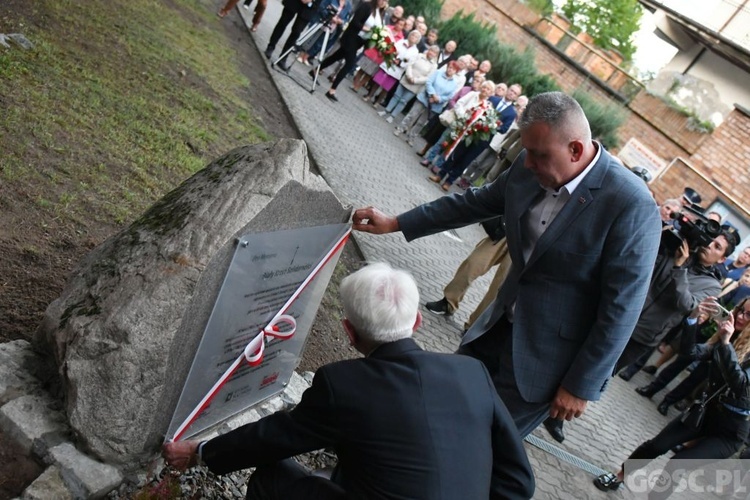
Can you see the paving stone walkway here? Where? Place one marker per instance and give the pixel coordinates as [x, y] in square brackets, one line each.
[365, 164]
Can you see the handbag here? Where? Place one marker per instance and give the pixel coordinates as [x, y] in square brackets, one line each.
[694, 416]
[447, 117]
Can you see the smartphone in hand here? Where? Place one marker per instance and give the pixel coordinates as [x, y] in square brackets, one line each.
[721, 314]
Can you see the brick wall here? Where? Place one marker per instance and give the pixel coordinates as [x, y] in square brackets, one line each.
[724, 157]
[663, 117]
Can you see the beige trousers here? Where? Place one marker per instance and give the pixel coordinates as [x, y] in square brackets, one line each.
[484, 256]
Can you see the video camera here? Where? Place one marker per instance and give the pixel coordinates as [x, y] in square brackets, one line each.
[693, 227]
[328, 15]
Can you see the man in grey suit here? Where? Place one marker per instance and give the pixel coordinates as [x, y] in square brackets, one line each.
[583, 234]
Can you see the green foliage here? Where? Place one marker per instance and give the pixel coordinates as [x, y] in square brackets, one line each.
[508, 65]
[611, 23]
[604, 119]
[430, 9]
[148, 96]
[473, 37]
[543, 7]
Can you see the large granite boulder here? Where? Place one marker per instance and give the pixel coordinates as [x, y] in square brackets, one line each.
[125, 329]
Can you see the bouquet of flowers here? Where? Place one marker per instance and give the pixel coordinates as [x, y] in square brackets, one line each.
[381, 39]
[481, 128]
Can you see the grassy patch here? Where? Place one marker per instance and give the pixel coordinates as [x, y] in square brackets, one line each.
[117, 103]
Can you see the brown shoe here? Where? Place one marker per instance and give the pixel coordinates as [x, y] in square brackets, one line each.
[435, 178]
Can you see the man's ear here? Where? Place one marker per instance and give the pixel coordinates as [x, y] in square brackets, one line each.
[417, 322]
[576, 150]
[350, 331]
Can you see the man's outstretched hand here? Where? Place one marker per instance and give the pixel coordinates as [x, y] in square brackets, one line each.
[372, 220]
[180, 454]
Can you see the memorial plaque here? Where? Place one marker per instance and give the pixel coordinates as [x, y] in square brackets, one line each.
[275, 279]
[635, 154]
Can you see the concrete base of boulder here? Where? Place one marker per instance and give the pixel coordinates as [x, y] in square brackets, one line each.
[30, 417]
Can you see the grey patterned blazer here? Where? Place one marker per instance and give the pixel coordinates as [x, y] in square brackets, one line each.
[578, 297]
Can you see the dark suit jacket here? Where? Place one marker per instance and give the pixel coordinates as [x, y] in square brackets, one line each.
[442, 60]
[303, 10]
[507, 116]
[361, 13]
[578, 297]
[405, 423]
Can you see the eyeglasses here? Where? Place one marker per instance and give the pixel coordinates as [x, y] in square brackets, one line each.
[743, 313]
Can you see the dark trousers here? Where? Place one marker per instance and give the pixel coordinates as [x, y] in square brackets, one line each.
[686, 387]
[721, 435]
[632, 352]
[461, 157]
[287, 480]
[669, 372]
[634, 367]
[495, 350]
[286, 17]
[346, 51]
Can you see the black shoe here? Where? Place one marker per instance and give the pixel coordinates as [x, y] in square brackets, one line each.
[678, 448]
[332, 97]
[312, 74]
[647, 391]
[555, 429]
[608, 482]
[283, 65]
[439, 307]
[269, 52]
[663, 408]
[625, 375]
[650, 369]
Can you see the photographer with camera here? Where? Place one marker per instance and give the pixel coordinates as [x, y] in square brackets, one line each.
[301, 11]
[682, 277]
[717, 431]
[330, 16]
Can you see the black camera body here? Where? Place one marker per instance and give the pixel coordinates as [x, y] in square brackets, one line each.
[699, 232]
[327, 17]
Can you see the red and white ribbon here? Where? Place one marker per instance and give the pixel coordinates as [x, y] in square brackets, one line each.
[253, 352]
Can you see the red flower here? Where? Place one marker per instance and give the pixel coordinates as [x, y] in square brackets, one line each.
[444, 144]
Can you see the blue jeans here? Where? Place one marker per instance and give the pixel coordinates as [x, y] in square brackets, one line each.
[434, 154]
[399, 100]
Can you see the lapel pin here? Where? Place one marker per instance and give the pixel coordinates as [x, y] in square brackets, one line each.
[581, 200]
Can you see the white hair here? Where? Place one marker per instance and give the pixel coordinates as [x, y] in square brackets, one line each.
[490, 85]
[380, 302]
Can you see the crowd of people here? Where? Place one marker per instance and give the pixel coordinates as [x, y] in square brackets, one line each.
[427, 88]
[593, 277]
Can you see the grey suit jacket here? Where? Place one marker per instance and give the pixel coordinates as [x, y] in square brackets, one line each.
[579, 296]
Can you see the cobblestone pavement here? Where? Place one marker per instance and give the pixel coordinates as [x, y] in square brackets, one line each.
[365, 164]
